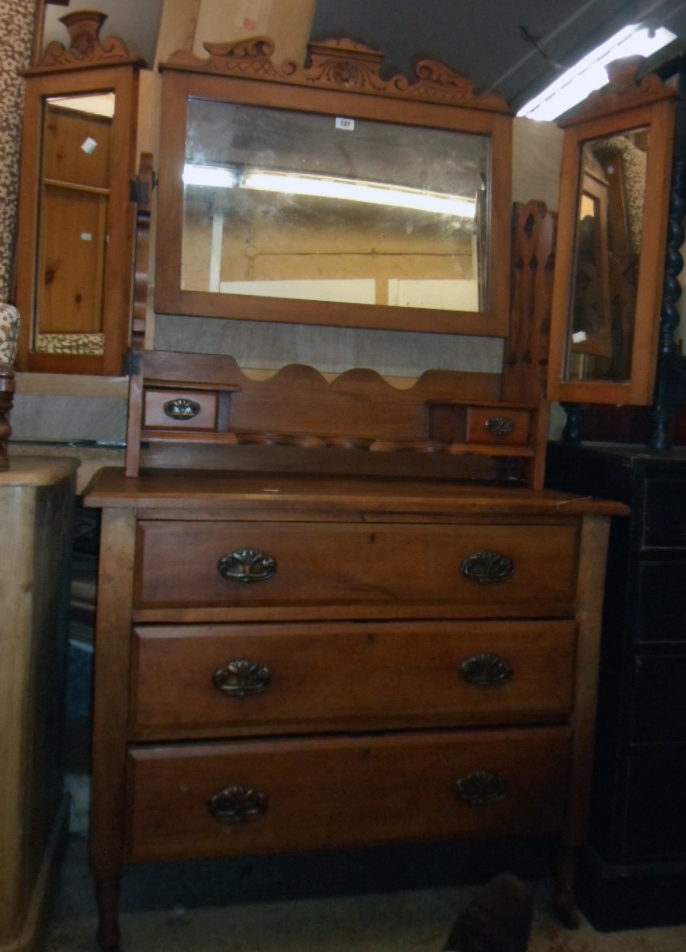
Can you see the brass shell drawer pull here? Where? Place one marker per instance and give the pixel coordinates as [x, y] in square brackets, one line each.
[480, 788]
[242, 678]
[237, 804]
[499, 426]
[485, 567]
[181, 408]
[486, 670]
[246, 565]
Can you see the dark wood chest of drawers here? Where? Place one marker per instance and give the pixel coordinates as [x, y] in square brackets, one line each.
[634, 873]
[289, 664]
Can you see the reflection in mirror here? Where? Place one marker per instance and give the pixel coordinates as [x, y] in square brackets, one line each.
[73, 224]
[606, 256]
[298, 205]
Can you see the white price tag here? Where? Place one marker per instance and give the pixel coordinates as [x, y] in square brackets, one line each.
[347, 124]
[579, 337]
[86, 236]
[88, 145]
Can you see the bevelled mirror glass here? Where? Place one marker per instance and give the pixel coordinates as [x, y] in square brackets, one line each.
[331, 206]
[611, 245]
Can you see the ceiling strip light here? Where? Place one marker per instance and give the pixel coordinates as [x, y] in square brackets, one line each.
[590, 74]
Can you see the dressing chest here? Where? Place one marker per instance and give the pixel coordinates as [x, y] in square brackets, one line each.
[340, 612]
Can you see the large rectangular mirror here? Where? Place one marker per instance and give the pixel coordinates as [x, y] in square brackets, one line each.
[346, 206]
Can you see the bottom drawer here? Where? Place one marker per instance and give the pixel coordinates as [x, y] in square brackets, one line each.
[261, 796]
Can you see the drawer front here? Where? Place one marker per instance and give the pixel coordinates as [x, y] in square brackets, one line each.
[268, 796]
[180, 409]
[478, 570]
[494, 426]
[192, 680]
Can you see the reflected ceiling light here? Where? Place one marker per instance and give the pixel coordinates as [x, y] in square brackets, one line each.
[589, 74]
[213, 176]
[290, 183]
[372, 193]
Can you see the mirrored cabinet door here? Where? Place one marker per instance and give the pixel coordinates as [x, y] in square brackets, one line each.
[612, 239]
[76, 217]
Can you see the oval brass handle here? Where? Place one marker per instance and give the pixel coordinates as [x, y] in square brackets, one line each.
[487, 670]
[487, 567]
[480, 788]
[181, 408]
[246, 565]
[241, 678]
[499, 426]
[237, 804]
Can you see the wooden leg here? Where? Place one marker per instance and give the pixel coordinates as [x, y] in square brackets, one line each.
[107, 898]
[564, 898]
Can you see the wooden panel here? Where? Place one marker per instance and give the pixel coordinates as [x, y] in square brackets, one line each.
[36, 503]
[319, 565]
[665, 514]
[321, 675]
[661, 609]
[345, 791]
[655, 819]
[659, 713]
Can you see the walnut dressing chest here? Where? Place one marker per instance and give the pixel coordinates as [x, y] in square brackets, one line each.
[288, 663]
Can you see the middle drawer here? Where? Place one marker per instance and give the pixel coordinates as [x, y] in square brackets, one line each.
[219, 680]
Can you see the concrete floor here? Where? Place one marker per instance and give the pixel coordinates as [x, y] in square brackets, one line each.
[311, 903]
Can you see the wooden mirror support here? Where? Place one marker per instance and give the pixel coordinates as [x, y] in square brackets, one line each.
[370, 182]
[76, 219]
[612, 239]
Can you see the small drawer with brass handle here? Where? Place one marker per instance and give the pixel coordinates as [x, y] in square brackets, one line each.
[261, 796]
[497, 426]
[178, 409]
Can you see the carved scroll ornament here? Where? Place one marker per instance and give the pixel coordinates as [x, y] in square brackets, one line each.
[338, 64]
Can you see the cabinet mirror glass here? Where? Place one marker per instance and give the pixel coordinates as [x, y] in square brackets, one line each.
[73, 224]
[612, 239]
[309, 201]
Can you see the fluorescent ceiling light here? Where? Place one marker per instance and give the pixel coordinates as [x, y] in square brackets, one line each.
[589, 74]
[372, 193]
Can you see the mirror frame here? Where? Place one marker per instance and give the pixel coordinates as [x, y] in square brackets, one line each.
[619, 107]
[88, 65]
[342, 80]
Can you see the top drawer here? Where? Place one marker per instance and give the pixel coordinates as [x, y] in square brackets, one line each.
[351, 570]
